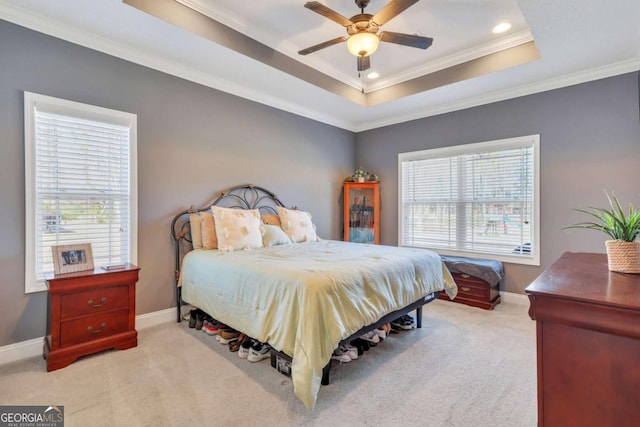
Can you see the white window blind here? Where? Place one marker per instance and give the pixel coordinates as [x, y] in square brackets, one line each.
[81, 177]
[473, 200]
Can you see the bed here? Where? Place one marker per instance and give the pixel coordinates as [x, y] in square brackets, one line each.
[304, 298]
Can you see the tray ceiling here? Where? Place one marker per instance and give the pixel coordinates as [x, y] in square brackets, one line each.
[250, 49]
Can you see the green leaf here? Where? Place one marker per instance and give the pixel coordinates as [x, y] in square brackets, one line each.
[612, 221]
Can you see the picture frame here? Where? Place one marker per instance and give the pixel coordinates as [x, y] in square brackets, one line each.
[72, 258]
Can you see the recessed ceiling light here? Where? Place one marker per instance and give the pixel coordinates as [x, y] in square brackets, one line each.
[501, 27]
[373, 75]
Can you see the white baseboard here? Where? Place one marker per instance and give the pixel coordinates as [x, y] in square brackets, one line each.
[156, 318]
[21, 350]
[31, 348]
[513, 298]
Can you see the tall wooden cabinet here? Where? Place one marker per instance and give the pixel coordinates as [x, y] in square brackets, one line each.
[588, 343]
[362, 212]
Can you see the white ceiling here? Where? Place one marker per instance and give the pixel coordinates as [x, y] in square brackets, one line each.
[578, 40]
[461, 30]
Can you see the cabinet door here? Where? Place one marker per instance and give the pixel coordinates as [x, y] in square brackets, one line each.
[362, 212]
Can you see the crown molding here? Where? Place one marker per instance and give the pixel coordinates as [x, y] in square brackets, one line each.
[461, 57]
[61, 30]
[87, 39]
[222, 15]
[597, 73]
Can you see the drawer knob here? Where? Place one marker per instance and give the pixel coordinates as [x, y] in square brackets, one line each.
[465, 276]
[97, 331]
[465, 289]
[100, 304]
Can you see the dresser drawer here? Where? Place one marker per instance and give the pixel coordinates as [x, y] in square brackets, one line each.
[93, 327]
[93, 301]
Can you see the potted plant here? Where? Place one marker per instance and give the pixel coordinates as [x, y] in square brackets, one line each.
[360, 175]
[623, 251]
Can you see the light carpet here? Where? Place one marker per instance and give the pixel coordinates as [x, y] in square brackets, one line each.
[465, 367]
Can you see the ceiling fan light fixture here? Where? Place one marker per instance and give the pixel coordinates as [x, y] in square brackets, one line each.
[373, 75]
[363, 28]
[363, 43]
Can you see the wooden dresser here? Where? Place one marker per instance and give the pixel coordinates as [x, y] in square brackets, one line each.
[588, 341]
[90, 311]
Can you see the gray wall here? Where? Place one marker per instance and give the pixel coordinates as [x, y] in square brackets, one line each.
[589, 142]
[193, 142]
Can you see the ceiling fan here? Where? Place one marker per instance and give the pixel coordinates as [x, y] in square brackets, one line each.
[362, 29]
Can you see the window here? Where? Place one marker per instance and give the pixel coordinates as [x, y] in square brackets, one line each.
[80, 183]
[477, 200]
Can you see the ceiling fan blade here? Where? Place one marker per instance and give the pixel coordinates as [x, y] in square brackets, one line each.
[322, 45]
[406, 39]
[391, 10]
[323, 10]
[364, 63]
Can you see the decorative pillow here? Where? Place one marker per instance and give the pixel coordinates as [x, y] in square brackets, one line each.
[237, 228]
[271, 219]
[297, 225]
[209, 238]
[196, 230]
[273, 236]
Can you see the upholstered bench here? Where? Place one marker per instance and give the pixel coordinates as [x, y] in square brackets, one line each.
[478, 281]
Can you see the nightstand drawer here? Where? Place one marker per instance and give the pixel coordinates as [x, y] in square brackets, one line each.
[466, 291]
[469, 280]
[93, 327]
[469, 285]
[93, 301]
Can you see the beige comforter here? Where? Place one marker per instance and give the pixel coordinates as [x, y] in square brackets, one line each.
[304, 298]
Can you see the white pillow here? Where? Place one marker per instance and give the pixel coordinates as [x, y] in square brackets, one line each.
[237, 228]
[297, 225]
[274, 235]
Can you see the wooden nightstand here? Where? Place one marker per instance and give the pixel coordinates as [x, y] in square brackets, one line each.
[474, 292]
[90, 311]
[472, 276]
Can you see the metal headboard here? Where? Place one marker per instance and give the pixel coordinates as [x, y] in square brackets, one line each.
[247, 196]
